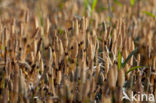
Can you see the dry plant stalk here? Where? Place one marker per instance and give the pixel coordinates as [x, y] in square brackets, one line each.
[56, 51]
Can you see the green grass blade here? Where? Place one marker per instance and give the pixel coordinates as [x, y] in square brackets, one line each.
[93, 5]
[60, 31]
[118, 2]
[133, 68]
[86, 3]
[149, 14]
[130, 55]
[132, 2]
[119, 60]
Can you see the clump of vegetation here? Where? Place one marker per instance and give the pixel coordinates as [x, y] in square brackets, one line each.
[59, 51]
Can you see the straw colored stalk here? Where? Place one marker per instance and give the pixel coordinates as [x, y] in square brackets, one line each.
[154, 63]
[50, 58]
[73, 55]
[129, 43]
[61, 51]
[51, 84]
[66, 63]
[56, 48]
[83, 25]
[125, 53]
[22, 86]
[23, 51]
[15, 83]
[65, 41]
[54, 59]
[112, 77]
[119, 95]
[85, 90]
[67, 93]
[155, 91]
[149, 41]
[106, 65]
[12, 27]
[32, 58]
[138, 60]
[81, 51]
[114, 51]
[59, 77]
[114, 36]
[121, 78]
[36, 22]
[97, 71]
[90, 52]
[5, 95]
[92, 88]
[83, 72]
[132, 48]
[106, 99]
[42, 81]
[120, 42]
[6, 37]
[76, 27]
[138, 82]
[47, 27]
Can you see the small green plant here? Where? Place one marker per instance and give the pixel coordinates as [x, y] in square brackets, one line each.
[129, 56]
[118, 2]
[93, 6]
[134, 68]
[60, 31]
[120, 64]
[86, 5]
[149, 14]
[119, 60]
[89, 6]
[132, 2]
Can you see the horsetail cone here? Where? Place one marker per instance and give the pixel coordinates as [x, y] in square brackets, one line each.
[154, 64]
[66, 51]
[111, 78]
[121, 78]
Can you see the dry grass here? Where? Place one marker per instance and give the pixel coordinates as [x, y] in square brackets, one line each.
[55, 51]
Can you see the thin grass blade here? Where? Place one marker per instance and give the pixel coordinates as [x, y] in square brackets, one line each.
[133, 68]
[128, 58]
[119, 60]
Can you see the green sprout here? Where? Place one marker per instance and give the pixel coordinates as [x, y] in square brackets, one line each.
[132, 2]
[122, 65]
[149, 14]
[133, 68]
[119, 60]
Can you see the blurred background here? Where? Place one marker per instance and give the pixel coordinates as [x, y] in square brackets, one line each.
[61, 12]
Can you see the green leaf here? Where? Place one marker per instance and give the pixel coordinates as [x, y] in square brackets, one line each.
[100, 39]
[100, 9]
[41, 21]
[149, 14]
[132, 2]
[86, 3]
[130, 55]
[3, 83]
[93, 5]
[118, 2]
[119, 60]
[2, 47]
[133, 68]
[60, 31]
